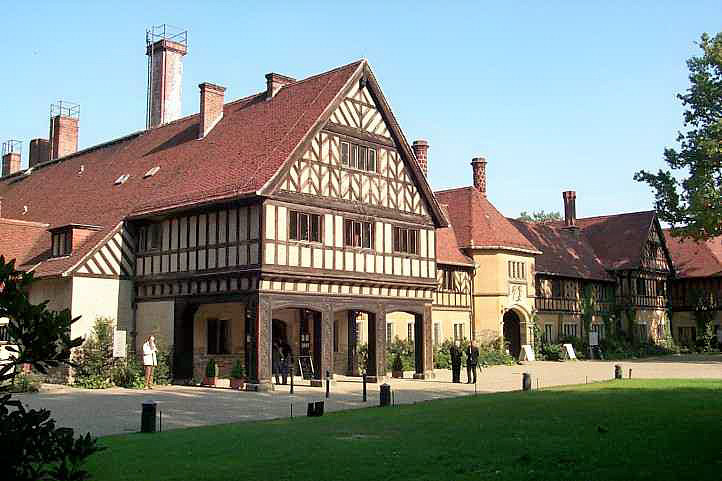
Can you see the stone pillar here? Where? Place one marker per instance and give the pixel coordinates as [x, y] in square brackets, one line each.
[260, 330]
[326, 341]
[352, 342]
[376, 370]
[423, 345]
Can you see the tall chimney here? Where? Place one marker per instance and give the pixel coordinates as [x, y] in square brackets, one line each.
[11, 157]
[211, 107]
[570, 208]
[64, 117]
[274, 82]
[421, 151]
[165, 48]
[39, 152]
[478, 165]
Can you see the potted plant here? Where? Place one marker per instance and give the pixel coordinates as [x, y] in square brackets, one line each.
[211, 373]
[238, 375]
[397, 368]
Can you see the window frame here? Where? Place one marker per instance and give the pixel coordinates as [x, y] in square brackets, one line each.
[309, 217]
[401, 238]
[363, 229]
[222, 336]
[360, 157]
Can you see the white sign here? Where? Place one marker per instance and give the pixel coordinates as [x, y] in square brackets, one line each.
[527, 353]
[593, 338]
[119, 344]
[570, 351]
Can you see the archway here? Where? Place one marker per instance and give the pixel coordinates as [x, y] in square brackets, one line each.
[512, 332]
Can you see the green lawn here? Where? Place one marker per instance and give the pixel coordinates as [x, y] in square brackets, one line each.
[624, 430]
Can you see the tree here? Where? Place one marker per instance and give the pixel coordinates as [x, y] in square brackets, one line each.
[693, 205]
[539, 216]
[33, 448]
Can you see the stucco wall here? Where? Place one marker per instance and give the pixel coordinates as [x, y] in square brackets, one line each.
[235, 313]
[154, 318]
[93, 298]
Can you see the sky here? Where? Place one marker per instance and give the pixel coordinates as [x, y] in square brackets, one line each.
[557, 95]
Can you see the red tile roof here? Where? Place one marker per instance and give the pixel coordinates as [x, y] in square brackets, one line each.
[695, 259]
[565, 252]
[447, 245]
[478, 224]
[237, 158]
[22, 240]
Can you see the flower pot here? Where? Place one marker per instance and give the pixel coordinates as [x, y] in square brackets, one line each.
[237, 383]
[209, 381]
[397, 374]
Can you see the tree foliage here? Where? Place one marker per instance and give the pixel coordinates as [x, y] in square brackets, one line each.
[33, 448]
[539, 216]
[693, 205]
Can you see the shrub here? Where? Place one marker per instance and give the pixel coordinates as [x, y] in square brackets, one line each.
[128, 373]
[442, 358]
[163, 372]
[490, 353]
[405, 350]
[94, 358]
[581, 346]
[552, 352]
[398, 365]
[238, 371]
[211, 368]
[24, 383]
[362, 357]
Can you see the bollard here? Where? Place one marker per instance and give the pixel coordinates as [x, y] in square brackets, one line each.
[319, 408]
[314, 409]
[630, 373]
[617, 371]
[328, 383]
[364, 379]
[385, 395]
[526, 381]
[147, 417]
[291, 381]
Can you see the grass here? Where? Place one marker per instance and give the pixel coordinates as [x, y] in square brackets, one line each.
[625, 430]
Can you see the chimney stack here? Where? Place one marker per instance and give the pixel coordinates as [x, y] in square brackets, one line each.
[478, 165]
[421, 151]
[64, 117]
[39, 152]
[165, 48]
[211, 107]
[11, 157]
[274, 82]
[570, 208]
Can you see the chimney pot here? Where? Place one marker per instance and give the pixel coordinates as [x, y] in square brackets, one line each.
[570, 208]
[165, 51]
[11, 157]
[478, 166]
[211, 107]
[421, 151]
[274, 82]
[39, 152]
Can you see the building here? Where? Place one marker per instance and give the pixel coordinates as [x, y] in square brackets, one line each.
[289, 214]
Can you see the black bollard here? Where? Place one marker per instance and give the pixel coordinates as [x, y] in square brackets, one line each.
[526, 381]
[630, 373]
[147, 417]
[328, 383]
[364, 379]
[319, 408]
[385, 396]
[291, 381]
[617, 371]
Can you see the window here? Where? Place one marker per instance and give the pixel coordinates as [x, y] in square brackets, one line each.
[687, 333]
[641, 286]
[359, 234]
[569, 330]
[410, 331]
[218, 336]
[447, 279]
[642, 332]
[121, 180]
[517, 270]
[406, 240]
[458, 331]
[599, 329]
[62, 243]
[548, 332]
[437, 333]
[389, 331]
[4, 333]
[305, 227]
[358, 157]
[335, 336]
[556, 288]
[360, 332]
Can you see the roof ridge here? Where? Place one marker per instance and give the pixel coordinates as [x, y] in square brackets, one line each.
[453, 189]
[652, 211]
[28, 223]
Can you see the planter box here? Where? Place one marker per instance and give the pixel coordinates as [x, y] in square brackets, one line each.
[209, 381]
[237, 383]
[397, 374]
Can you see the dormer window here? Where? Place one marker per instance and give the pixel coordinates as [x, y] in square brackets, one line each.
[62, 243]
[150, 237]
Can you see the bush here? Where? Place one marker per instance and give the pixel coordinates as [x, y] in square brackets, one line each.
[238, 371]
[552, 352]
[211, 368]
[581, 346]
[490, 354]
[405, 350]
[24, 383]
[163, 372]
[128, 373]
[398, 365]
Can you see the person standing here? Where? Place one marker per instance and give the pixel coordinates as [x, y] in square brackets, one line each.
[276, 361]
[150, 360]
[455, 353]
[472, 360]
[286, 355]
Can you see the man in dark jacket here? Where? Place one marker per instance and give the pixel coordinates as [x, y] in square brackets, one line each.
[276, 361]
[455, 353]
[286, 360]
[472, 360]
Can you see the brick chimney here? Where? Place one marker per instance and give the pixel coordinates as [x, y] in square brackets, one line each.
[165, 70]
[63, 136]
[570, 208]
[39, 152]
[421, 151]
[274, 82]
[478, 166]
[211, 107]
[11, 157]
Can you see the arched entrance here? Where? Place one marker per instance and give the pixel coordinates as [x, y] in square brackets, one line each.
[512, 332]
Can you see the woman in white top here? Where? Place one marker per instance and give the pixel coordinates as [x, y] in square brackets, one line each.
[149, 360]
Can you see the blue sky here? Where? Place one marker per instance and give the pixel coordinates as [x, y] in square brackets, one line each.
[559, 95]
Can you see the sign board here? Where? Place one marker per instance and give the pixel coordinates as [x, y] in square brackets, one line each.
[570, 351]
[305, 365]
[119, 343]
[527, 353]
[594, 338]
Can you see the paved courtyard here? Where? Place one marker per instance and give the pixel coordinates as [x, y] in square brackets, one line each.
[117, 410]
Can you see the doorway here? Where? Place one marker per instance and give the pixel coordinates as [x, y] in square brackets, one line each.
[512, 333]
